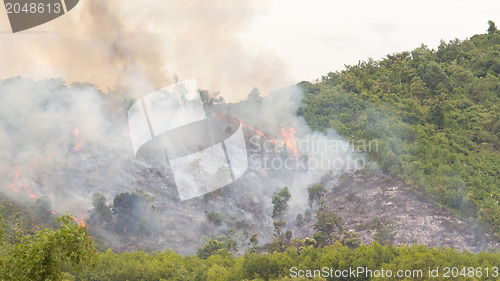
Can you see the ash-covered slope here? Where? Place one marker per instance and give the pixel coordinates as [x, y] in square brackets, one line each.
[374, 204]
[371, 205]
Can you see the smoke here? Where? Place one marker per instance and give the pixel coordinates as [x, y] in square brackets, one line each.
[137, 46]
[44, 128]
[68, 140]
[308, 155]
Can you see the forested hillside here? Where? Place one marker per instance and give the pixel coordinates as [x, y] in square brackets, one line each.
[434, 114]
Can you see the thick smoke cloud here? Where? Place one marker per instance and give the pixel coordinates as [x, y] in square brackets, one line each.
[48, 129]
[137, 46]
[38, 123]
[316, 154]
[67, 141]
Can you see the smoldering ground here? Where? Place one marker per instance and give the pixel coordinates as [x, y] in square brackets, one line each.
[38, 120]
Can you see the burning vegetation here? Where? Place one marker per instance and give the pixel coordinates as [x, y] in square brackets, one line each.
[127, 205]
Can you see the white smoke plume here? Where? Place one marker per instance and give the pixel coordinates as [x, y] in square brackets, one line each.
[45, 127]
[68, 140]
[313, 154]
[137, 46]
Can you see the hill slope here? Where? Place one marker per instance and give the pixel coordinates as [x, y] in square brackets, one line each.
[434, 114]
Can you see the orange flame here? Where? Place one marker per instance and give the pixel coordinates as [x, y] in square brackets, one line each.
[16, 186]
[255, 130]
[289, 140]
[78, 145]
[134, 138]
[81, 221]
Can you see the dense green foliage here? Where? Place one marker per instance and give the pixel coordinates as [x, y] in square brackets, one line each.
[47, 254]
[315, 193]
[131, 213]
[67, 254]
[280, 202]
[433, 119]
[23, 219]
[276, 266]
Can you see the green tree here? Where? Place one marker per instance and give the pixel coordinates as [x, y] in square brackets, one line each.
[351, 240]
[278, 225]
[384, 236]
[211, 248]
[130, 208]
[43, 256]
[316, 192]
[492, 27]
[254, 239]
[210, 100]
[101, 211]
[417, 88]
[217, 273]
[299, 220]
[214, 217]
[254, 94]
[327, 221]
[223, 244]
[280, 202]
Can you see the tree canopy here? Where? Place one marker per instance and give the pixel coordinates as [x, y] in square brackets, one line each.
[435, 116]
[46, 255]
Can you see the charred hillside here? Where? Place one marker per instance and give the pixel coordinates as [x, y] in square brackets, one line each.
[378, 207]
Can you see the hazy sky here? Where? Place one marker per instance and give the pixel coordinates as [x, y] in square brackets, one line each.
[230, 45]
[318, 36]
